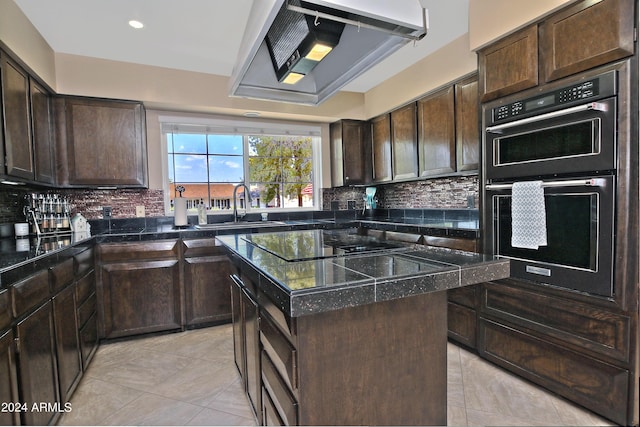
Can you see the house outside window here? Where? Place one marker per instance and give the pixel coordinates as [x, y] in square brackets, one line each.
[280, 167]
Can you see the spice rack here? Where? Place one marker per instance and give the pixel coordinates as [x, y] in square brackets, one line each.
[47, 214]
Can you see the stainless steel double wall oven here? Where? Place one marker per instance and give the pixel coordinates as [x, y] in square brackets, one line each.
[566, 137]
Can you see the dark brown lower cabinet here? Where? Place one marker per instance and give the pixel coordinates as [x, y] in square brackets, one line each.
[573, 347]
[37, 369]
[246, 335]
[206, 283]
[8, 385]
[86, 303]
[139, 289]
[141, 297]
[377, 364]
[251, 322]
[238, 334]
[462, 315]
[67, 342]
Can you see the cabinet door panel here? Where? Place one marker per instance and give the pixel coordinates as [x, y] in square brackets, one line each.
[405, 151]
[467, 125]
[67, 343]
[251, 322]
[436, 133]
[88, 340]
[207, 289]
[42, 133]
[37, 367]
[141, 297]
[337, 161]
[356, 157]
[510, 65]
[17, 120]
[8, 385]
[586, 35]
[381, 146]
[106, 143]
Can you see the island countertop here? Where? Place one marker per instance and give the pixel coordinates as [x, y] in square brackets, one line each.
[313, 271]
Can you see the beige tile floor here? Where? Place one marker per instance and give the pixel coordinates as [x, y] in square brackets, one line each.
[189, 378]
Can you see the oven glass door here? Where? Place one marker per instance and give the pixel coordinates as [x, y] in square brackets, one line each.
[579, 251]
[578, 139]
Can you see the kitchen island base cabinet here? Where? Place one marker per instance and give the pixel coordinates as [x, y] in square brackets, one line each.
[378, 364]
[246, 341]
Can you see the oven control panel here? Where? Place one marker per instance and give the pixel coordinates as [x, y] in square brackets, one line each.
[599, 86]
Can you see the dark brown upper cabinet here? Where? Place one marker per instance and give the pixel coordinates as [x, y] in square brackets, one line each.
[449, 129]
[467, 124]
[509, 65]
[100, 142]
[381, 146]
[42, 133]
[585, 35]
[350, 157]
[16, 123]
[404, 142]
[436, 133]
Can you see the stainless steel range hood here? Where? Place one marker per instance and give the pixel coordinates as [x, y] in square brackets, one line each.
[373, 29]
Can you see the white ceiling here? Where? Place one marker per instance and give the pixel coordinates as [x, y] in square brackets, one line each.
[200, 35]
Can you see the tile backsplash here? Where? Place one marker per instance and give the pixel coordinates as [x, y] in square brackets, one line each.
[441, 193]
[458, 192]
[89, 203]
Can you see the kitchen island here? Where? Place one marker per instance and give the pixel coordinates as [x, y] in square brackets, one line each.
[338, 328]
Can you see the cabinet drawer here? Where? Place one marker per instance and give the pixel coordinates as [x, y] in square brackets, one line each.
[594, 384]
[132, 251]
[88, 341]
[85, 287]
[86, 310]
[468, 245]
[30, 292]
[282, 353]
[565, 320]
[270, 413]
[285, 323]
[465, 296]
[84, 262]
[202, 247]
[461, 324]
[284, 402]
[62, 275]
[5, 309]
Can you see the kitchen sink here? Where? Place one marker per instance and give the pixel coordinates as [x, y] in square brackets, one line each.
[239, 224]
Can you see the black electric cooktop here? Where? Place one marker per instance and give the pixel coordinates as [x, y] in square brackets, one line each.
[317, 244]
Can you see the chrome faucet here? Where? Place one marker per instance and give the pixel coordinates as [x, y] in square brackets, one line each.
[235, 202]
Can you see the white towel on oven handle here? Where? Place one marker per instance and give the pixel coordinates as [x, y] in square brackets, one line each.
[528, 215]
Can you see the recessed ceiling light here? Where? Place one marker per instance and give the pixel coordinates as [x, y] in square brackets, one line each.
[136, 24]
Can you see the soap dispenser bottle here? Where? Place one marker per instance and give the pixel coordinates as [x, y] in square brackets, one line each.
[202, 213]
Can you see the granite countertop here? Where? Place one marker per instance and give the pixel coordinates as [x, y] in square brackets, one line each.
[17, 252]
[312, 271]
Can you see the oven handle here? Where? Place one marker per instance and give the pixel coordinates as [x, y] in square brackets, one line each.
[592, 182]
[599, 106]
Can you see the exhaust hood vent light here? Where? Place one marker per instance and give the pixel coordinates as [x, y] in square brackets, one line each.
[297, 42]
[305, 51]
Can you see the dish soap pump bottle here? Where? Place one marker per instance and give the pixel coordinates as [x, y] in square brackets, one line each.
[202, 213]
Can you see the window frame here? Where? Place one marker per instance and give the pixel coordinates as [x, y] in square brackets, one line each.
[244, 128]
